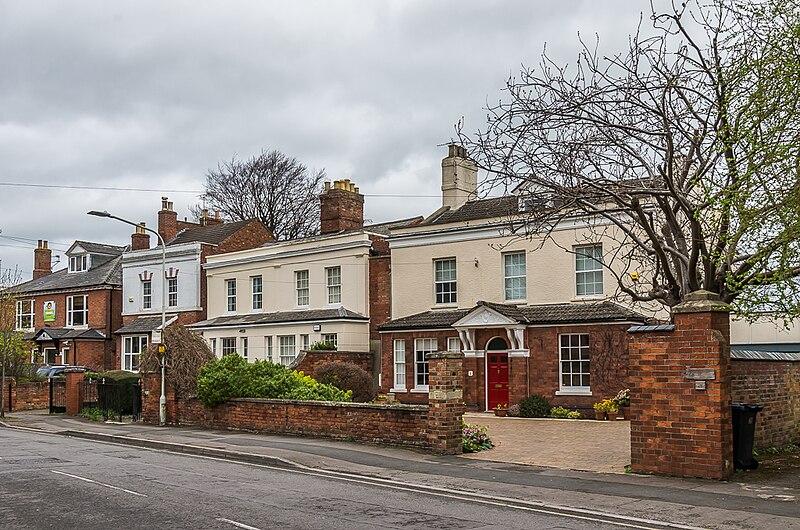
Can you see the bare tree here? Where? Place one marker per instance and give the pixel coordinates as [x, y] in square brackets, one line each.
[685, 149]
[12, 343]
[274, 188]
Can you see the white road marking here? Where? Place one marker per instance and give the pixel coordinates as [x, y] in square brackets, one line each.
[98, 483]
[234, 523]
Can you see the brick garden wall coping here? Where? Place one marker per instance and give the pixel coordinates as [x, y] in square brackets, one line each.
[339, 404]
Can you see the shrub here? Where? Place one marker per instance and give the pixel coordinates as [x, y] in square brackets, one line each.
[326, 346]
[474, 438]
[561, 412]
[534, 406]
[513, 411]
[233, 377]
[347, 376]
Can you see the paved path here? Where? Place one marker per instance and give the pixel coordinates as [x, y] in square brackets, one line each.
[582, 445]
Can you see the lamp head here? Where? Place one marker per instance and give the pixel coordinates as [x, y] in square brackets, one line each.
[98, 213]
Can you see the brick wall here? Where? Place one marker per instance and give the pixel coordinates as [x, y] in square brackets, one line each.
[308, 361]
[26, 396]
[380, 286]
[676, 428]
[776, 386]
[386, 424]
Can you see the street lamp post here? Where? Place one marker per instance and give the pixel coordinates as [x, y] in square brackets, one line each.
[162, 402]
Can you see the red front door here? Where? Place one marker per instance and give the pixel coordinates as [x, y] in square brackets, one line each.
[497, 378]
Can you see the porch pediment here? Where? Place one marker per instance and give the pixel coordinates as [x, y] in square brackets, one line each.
[483, 317]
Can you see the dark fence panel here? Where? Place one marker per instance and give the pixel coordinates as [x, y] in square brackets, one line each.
[114, 399]
[58, 395]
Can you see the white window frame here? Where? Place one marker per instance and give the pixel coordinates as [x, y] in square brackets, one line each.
[399, 348]
[257, 290]
[147, 294]
[422, 347]
[79, 263]
[44, 355]
[287, 349]
[453, 344]
[172, 292]
[450, 295]
[71, 311]
[333, 284]
[132, 348]
[301, 284]
[212, 344]
[64, 354]
[327, 336]
[511, 282]
[227, 345]
[244, 346]
[305, 341]
[268, 349]
[22, 316]
[230, 295]
[590, 288]
[574, 348]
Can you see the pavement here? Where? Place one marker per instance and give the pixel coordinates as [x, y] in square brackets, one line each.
[581, 445]
[695, 503]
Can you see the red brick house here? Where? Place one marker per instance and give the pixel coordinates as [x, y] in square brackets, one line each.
[71, 314]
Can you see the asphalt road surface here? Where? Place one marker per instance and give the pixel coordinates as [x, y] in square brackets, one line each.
[50, 481]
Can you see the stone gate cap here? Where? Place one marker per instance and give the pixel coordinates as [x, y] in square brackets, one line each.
[701, 301]
[445, 355]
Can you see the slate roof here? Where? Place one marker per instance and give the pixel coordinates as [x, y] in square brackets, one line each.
[108, 273]
[385, 228]
[492, 208]
[69, 333]
[100, 248]
[280, 317]
[143, 325]
[741, 353]
[568, 313]
[211, 234]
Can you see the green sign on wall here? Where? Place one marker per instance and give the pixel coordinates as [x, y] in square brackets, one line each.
[49, 311]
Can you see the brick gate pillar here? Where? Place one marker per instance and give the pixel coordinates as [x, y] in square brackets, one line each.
[73, 391]
[445, 398]
[680, 392]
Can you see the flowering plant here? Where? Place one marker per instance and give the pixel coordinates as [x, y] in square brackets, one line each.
[501, 406]
[607, 405]
[623, 397]
[474, 438]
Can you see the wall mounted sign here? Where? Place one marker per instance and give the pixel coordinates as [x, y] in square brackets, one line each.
[49, 312]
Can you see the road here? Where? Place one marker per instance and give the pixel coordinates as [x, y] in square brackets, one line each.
[50, 481]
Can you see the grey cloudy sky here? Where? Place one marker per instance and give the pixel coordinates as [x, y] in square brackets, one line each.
[150, 94]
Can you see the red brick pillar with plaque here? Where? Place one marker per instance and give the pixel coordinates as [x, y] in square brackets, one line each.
[73, 390]
[445, 398]
[681, 392]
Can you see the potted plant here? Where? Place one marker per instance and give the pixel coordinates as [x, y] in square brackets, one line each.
[600, 410]
[612, 409]
[623, 399]
[501, 410]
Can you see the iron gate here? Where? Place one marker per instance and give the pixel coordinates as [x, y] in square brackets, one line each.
[58, 395]
[113, 399]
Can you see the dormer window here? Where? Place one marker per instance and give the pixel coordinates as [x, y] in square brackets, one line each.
[79, 263]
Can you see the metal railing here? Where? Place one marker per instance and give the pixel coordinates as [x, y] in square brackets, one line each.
[113, 399]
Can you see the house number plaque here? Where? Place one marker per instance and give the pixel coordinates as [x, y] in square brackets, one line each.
[700, 374]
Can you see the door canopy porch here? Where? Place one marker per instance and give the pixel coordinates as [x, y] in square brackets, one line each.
[486, 315]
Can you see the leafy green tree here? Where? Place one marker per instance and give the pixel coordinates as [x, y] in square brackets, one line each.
[14, 349]
[685, 148]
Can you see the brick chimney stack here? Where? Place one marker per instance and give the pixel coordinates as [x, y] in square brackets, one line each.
[459, 178]
[206, 220]
[140, 240]
[167, 220]
[341, 207]
[42, 257]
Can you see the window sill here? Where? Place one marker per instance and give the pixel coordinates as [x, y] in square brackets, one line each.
[588, 298]
[444, 306]
[418, 390]
[396, 390]
[516, 302]
[573, 392]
